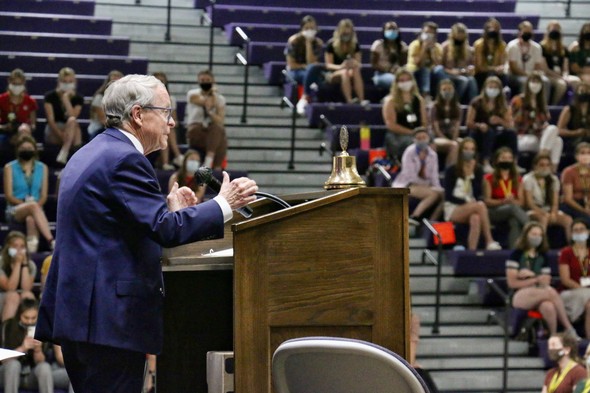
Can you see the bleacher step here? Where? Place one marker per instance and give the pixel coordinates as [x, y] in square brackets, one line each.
[479, 363]
[445, 299]
[163, 51]
[447, 284]
[470, 346]
[450, 315]
[489, 381]
[452, 331]
[129, 13]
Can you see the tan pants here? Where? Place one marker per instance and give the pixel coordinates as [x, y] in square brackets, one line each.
[210, 139]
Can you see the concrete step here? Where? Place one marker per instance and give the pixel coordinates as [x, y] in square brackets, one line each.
[428, 269]
[263, 112]
[446, 300]
[237, 142]
[274, 167]
[132, 13]
[489, 381]
[235, 119]
[272, 155]
[470, 346]
[273, 133]
[452, 315]
[164, 51]
[466, 330]
[480, 363]
[420, 285]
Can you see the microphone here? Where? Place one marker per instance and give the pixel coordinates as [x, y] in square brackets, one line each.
[204, 175]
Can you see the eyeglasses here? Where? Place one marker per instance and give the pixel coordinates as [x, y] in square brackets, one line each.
[168, 111]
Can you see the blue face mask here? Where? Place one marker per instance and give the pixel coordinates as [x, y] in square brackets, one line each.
[390, 34]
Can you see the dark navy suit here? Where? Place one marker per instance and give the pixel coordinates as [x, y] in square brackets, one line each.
[105, 282]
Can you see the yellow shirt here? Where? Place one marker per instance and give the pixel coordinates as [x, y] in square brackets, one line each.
[414, 50]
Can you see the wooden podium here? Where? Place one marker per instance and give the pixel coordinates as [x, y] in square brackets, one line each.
[335, 264]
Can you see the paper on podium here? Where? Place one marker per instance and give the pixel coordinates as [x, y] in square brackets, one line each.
[222, 253]
[9, 354]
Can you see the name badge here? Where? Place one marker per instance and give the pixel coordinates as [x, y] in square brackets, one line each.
[29, 198]
[411, 118]
[585, 281]
[557, 69]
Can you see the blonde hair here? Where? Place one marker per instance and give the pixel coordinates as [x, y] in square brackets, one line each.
[66, 71]
[458, 52]
[338, 44]
[397, 94]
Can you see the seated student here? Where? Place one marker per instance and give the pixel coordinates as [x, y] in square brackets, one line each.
[567, 373]
[580, 54]
[457, 59]
[446, 120]
[531, 120]
[584, 385]
[303, 53]
[18, 110]
[425, 58]
[575, 275]
[205, 118]
[17, 274]
[403, 112]
[184, 176]
[343, 58]
[574, 119]
[419, 172]
[463, 204]
[25, 188]
[528, 273]
[489, 120]
[575, 181]
[62, 109]
[97, 116]
[490, 53]
[504, 196]
[541, 196]
[31, 370]
[388, 54]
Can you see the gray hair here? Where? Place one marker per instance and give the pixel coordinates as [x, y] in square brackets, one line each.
[123, 94]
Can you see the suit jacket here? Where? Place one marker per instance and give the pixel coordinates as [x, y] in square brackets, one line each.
[105, 282]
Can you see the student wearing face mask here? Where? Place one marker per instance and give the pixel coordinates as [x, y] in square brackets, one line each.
[584, 385]
[528, 273]
[184, 176]
[18, 111]
[62, 109]
[575, 180]
[489, 120]
[403, 112]
[457, 59]
[574, 119]
[343, 58]
[388, 54]
[574, 275]
[504, 196]
[420, 173]
[25, 188]
[580, 54]
[463, 197]
[446, 120]
[490, 53]
[541, 196]
[531, 120]
[525, 56]
[567, 373]
[557, 62]
[17, 274]
[425, 58]
[205, 121]
[303, 59]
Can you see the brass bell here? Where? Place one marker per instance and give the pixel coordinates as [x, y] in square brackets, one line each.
[344, 173]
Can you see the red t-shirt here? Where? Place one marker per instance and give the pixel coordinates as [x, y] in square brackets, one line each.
[22, 110]
[568, 258]
[568, 384]
[500, 191]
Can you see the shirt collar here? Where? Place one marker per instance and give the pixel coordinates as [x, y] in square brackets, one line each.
[133, 140]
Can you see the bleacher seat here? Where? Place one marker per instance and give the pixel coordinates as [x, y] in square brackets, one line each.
[39, 83]
[67, 43]
[344, 113]
[70, 7]
[54, 23]
[482, 263]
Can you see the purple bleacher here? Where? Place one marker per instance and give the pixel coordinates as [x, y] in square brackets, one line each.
[84, 114]
[344, 113]
[261, 52]
[488, 263]
[70, 7]
[84, 64]
[405, 5]
[377, 136]
[63, 43]
[366, 35]
[39, 83]
[53, 23]
[225, 14]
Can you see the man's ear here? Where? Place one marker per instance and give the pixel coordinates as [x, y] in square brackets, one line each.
[136, 115]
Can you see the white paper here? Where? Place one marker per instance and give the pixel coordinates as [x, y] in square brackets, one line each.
[9, 354]
[221, 253]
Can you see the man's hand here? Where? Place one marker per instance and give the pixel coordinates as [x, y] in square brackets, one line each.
[239, 192]
[179, 198]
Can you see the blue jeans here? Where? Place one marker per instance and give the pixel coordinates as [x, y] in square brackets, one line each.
[488, 142]
[466, 87]
[428, 78]
[383, 79]
[313, 73]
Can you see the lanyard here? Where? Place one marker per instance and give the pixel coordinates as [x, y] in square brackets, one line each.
[506, 187]
[556, 381]
[586, 386]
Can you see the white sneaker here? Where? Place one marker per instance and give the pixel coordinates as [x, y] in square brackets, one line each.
[62, 157]
[494, 246]
[178, 160]
[301, 106]
[365, 102]
[168, 167]
[32, 244]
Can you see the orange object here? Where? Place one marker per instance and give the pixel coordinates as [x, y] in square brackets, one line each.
[376, 154]
[447, 232]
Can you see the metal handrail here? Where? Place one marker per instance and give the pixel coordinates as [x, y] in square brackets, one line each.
[505, 325]
[168, 21]
[245, 61]
[435, 326]
[293, 108]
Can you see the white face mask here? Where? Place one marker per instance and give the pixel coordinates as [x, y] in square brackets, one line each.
[406, 85]
[16, 89]
[425, 36]
[12, 252]
[580, 237]
[492, 92]
[192, 165]
[67, 86]
[309, 34]
[535, 87]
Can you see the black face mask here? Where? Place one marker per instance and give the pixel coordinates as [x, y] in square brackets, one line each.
[458, 42]
[492, 34]
[206, 86]
[504, 165]
[526, 36]
[585, 97]
[586, 36]
[26, 155]
[554, 34]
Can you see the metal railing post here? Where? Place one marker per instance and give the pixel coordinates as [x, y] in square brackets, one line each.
[289, 102]
[168, 21]
[435, 326]
[211, 28]
[506, 323]
[246, 62]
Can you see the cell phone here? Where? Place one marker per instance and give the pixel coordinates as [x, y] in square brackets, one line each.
[31, 331]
